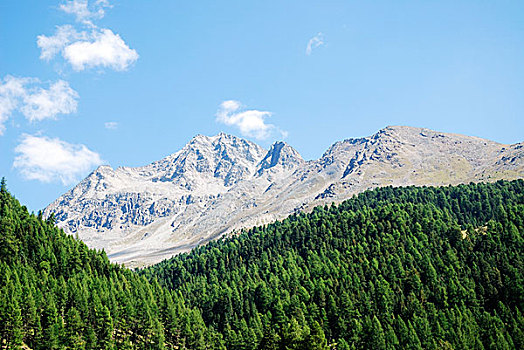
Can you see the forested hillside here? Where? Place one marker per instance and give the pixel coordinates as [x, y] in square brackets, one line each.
[55, 293]
[393, 268]
[405, 268]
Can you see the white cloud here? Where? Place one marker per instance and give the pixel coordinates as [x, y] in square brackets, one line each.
[45, 104]
[250, 122]
[105, 49]
[51, 159]
[33, 101]
[99, 48]
[111, 125]
[51, 45]
[85, 11]
[10, 92]
[314, 42]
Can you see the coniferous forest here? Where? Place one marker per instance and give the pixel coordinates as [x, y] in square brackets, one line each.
[392, 268]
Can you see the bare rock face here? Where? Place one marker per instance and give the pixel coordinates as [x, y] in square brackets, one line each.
[279, 160]
[216, 185]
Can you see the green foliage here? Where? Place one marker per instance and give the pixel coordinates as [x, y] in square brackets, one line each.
[404, 268]
[55, 293]
[393, 268]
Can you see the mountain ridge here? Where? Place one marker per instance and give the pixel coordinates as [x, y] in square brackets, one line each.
[218, 184]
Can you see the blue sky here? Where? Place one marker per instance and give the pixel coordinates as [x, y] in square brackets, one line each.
[128, 82]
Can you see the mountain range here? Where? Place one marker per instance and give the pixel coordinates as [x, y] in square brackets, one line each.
[220, 184]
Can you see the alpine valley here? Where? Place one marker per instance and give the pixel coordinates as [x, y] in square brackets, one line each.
[218, 185]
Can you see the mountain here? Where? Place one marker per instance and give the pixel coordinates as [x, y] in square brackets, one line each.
[219, 184]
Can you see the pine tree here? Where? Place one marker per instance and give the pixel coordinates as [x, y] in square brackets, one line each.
[104, 328]
[50, 326]
[377, 337]
[269, 340]
[74, 330]
[316, 340]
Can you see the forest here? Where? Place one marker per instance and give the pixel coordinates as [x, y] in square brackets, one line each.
[56, 293]
[392, 268]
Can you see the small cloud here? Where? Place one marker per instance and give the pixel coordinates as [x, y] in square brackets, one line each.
[105, 49]
[50, 46]
[47, 104]
[10, 92]
[85, 11]
[33, 101]
[88, 48]
[111, 125]
[251, 123]
[99, 48]
[314, 42]
[51, 159]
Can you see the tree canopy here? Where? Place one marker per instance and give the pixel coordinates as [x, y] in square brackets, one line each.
[392, 268]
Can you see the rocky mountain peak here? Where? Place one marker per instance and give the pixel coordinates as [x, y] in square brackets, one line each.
[104, 169]
[208, 159]
[229, 146]
[218, 184]
[281, 155]
[220, 142]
